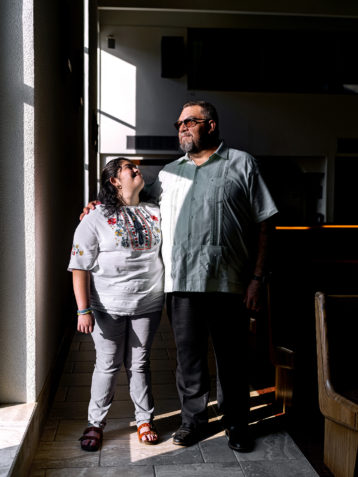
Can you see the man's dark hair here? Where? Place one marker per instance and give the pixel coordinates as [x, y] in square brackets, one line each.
[108, 194]
[209, 112]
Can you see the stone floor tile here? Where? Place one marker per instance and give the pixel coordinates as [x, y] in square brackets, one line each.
[69, 410]
[75, 346]
[172, 352]
[68, 367]
[82, 355]
[168, 419]
[162, 365]
[131, 451]
[76, 379]
[215, 449]
[37, 473]
[158, 345]
[49, 431]
[166, 334]
[69, 430]
[61, 393]
[199, 470]
[51, 455]
[165, 391]
[121, 409]
[83, 367]
[213, 410]
[292, 468]
[275, 446]
[163, 377]
[166, 405]
[134, 471]
[165, 324]
[118, 429]
[78, 394]
[82, 337]
[159, 353]
[167, 424]
[87, 346]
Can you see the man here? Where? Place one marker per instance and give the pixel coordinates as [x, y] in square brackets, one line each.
[215, 209]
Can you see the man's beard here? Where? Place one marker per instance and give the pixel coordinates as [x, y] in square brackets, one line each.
[189, 145]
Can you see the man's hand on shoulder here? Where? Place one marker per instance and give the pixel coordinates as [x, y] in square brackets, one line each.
[90, 206]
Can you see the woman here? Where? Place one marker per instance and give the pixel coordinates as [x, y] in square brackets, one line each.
[118, 285]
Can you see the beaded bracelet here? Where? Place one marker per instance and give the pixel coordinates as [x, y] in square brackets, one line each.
[86, 311]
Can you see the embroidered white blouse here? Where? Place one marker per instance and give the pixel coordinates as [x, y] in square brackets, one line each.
[122, 253]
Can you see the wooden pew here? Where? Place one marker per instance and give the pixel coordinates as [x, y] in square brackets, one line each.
[337, 361]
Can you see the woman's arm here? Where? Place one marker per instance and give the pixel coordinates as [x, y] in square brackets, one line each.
[81, 282]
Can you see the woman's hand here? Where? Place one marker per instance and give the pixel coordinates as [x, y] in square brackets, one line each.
[90, 206]
[85, 323]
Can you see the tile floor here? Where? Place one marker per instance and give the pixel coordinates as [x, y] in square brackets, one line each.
[59, 453]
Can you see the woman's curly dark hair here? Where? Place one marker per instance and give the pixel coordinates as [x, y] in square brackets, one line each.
[108, 194]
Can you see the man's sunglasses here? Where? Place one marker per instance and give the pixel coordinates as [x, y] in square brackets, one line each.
[189, 122]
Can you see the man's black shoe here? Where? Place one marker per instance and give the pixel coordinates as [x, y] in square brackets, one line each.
[240, 441]
[185, 437]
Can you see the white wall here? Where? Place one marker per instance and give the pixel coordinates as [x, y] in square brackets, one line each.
[14, 94]
[40, 192]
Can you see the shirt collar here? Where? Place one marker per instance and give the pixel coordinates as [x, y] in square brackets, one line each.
[222, 151]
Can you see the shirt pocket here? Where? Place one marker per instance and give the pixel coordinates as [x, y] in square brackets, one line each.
[235, 191]
[216, 189]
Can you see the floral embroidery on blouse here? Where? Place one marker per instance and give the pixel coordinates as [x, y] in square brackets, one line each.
[135, 228]
[76, 250]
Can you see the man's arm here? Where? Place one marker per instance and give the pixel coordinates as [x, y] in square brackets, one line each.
[150, 193]
[254, 292]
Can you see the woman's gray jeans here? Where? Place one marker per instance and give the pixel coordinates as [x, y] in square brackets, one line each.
[122, 340]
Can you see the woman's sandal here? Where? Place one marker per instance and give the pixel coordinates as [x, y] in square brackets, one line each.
[94, 436]
[152, 431]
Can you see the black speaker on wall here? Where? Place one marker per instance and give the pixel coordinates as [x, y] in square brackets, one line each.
[173, 57]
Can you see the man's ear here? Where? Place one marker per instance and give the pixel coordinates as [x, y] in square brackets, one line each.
[212, 126]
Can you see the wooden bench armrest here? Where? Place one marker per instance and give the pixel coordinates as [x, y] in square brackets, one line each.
[332, 404]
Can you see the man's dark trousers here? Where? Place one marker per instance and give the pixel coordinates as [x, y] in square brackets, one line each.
[223, 316]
